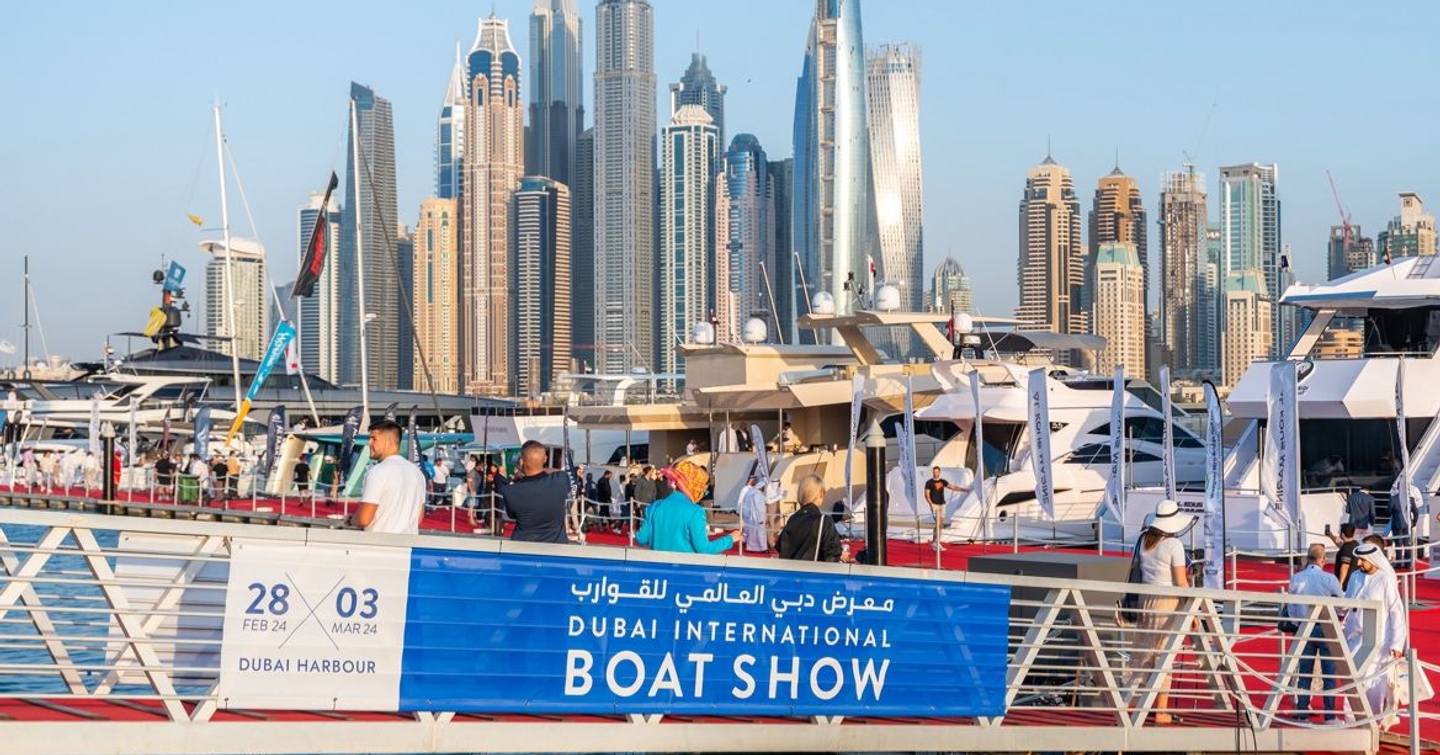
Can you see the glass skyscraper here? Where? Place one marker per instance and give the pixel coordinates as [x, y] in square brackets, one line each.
[893, 92]
[450, 135]
[745, 234]
[698, 87]
[833, 208]
[370, 189]
[319, 326]
[557, 90]
[540, 277]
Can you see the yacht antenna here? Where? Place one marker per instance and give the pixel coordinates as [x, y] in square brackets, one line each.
[230, 329]
[360, 269]
[770, 294]
[25, 369]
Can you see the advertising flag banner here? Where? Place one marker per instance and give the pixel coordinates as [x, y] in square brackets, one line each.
[174, 278]
[274, 353]
[1214, 491]
[1168, 450]
[95, 424]
[1115, 487]
[907, 446]
[1040, 462]
[1280, 467]
[762, 459]
[202, 432]
[274, 429]
[979, 447]
[857, 395]
[347, 439]
[413, 431]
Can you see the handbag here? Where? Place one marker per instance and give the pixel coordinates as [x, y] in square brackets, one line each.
[1130, 602]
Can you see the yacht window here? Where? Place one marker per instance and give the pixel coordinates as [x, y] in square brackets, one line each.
[1001, 439]
[1152, 430]
[1412, 332]
[1365, 452]
[1099, 453]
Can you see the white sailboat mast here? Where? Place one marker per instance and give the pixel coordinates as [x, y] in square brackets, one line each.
[230, 324]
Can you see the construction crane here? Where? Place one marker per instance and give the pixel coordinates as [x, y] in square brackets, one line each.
[1345, 228]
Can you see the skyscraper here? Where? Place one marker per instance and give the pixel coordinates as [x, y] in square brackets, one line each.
[405, 340]
[950, 289]
[249, 332]
[436, 293]
[1410, 233]
[319, 330]
[1248, 318]
[557, 90]
[893, 91]
[1183, 218]
[1119, 313]
[689, 146]
[540, 329]
[368, 226]
[1210, 303]
[782, 278]
[582, 253]
[494, 162]
[744, 239]
[1118, 214]
[1250, 234]
[698, 87]
[833, 209]
[1348, 251]
[1052, 261]
[450, 134]
[624, 229]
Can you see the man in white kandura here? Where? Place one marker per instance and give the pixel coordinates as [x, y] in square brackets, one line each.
[1392, 624]
[394, 495]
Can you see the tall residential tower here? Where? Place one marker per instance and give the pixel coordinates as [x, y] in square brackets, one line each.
[368, 227]
[624, 176]
[689, 148]
[494, 162]
[1051, 273]
[557, 90]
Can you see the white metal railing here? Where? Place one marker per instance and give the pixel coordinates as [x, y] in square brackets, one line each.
[86, 614]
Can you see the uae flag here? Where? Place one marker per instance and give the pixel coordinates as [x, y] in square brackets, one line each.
[317, 248]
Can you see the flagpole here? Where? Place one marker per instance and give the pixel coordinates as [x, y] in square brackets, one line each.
[360, 268]
[230, 329]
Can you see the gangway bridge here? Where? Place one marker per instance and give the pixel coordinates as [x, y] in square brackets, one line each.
[113, 633]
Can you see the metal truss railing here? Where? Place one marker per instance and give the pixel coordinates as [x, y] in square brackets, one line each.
[128, 610]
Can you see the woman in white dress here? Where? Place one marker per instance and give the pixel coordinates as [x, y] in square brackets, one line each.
[1162, 562]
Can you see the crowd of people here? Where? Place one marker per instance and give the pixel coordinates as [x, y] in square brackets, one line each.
[1362, 570]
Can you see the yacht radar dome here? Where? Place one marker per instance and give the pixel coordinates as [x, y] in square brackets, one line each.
[703, 333]
[823, 303]
[755, 331]
[964, 323]
[887, 298]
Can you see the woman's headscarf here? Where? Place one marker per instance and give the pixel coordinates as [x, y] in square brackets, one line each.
[688, 478]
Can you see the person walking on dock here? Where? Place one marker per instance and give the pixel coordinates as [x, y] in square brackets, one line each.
[1314, 581]
[393, 500]
[1162, 562]
[1392, 623]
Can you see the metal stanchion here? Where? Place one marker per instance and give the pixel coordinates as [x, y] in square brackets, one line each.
[631, 529]
[1014, 532]
[1414, 706]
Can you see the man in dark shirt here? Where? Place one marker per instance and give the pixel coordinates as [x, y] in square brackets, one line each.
[302, 477]
[1360, 509]
[165, 474]
[536, 499]
[935, 488]
[1345, 557]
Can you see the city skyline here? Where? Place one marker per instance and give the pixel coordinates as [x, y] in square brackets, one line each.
[962, 222]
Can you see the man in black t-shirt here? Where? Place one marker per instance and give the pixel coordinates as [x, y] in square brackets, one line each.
[537, 500]
[1345, 557]
[301, 476]
[165, 474]
[935, 489]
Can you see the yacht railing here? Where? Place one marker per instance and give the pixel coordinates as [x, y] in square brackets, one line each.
[79, 632]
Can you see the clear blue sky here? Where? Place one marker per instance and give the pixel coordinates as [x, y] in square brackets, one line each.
[105, 138]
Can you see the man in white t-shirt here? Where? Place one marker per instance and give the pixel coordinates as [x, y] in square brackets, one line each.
[394, 496]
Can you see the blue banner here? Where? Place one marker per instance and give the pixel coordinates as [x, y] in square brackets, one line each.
[536, 634]
[274, 354]
[175, 278]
